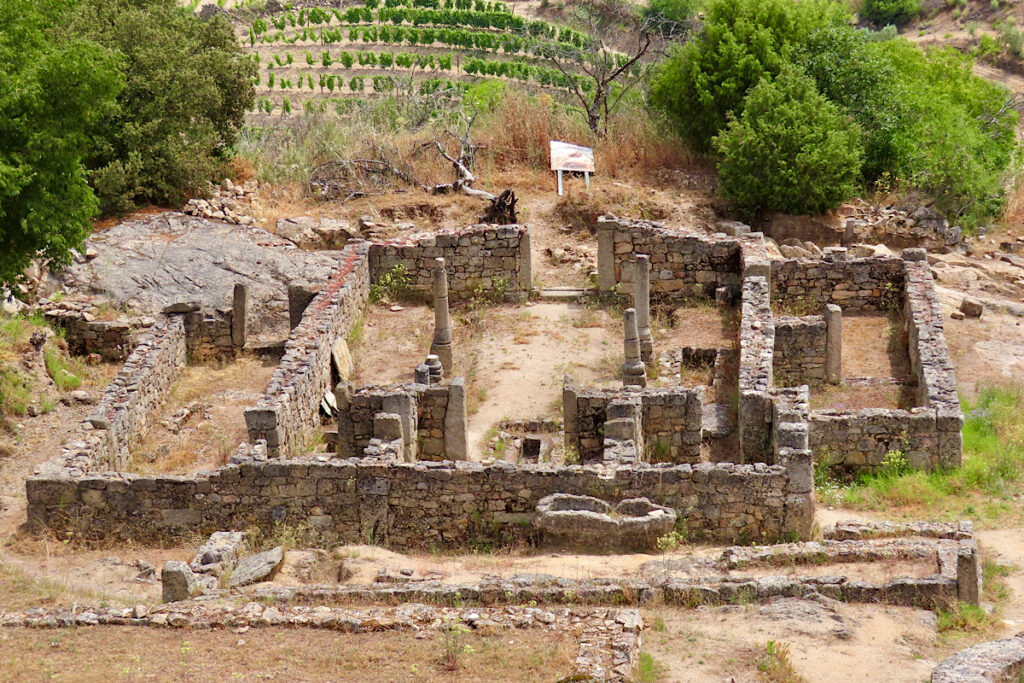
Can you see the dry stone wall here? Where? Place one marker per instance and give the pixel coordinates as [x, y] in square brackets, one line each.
[128, 405]
[757, 349]
[406, 506]
[799, 355]
[288, 417]
[670, 421]
[113, 340]
[483, 258]
[862, 284]
[683, 263]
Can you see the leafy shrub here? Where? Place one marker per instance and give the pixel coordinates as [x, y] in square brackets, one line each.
[187, 87]
[393, 285]
[885, 12]
[790, 150]
[742, 42]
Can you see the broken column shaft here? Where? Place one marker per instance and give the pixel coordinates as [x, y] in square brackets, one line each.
[441, 346]
[642, 303]
[634, 372]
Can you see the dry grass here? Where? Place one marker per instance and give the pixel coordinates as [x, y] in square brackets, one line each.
[699, 325]
[218, 395]
[104, 653]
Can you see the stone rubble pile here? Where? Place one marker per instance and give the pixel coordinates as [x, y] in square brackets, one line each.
[229, 203]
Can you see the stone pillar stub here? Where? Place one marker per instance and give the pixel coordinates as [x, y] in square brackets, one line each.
[642, 303]
[570, 396]
[634, 372]
[435, 369]
[239, 314]
[605, 254]
[455, 436]
[441, 346]
[833, 344]
[526, 262]
[299, 296]
[421, 375]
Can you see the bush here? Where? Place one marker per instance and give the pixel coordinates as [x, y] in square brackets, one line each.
[742, 42]
[790, 150]
[187, 88]
[886, 12]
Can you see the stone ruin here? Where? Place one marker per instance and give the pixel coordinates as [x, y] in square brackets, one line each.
[397, 468]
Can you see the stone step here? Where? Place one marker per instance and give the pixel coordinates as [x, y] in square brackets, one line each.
[562, 294]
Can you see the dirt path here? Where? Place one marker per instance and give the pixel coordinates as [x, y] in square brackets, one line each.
[521, 366]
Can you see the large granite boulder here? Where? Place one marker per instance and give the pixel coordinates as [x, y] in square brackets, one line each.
[151, 263]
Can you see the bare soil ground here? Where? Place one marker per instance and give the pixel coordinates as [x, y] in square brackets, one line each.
[202, 422]
[874, 349]
[103, 653]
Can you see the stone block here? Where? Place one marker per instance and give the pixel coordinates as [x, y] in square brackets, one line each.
[178, 582]
[256, 567]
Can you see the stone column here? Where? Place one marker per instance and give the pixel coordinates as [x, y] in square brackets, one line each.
[239, 312]
[605, 254]
[441, 346]
[570, 395]
[634, 372]
[833, 344]
[642, 303]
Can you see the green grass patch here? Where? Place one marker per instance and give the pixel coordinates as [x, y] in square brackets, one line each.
[57, 366]
[965, 619]
[649, 669]
[983, 488]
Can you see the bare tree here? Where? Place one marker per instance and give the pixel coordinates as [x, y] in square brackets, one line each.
[609, 72]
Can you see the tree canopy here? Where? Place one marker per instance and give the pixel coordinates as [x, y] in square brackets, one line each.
[51, 93]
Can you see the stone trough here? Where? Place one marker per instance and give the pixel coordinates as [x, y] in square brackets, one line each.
[571, 522]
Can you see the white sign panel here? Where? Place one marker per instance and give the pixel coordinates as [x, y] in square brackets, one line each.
[569, 157]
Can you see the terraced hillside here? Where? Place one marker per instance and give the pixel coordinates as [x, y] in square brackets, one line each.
[315, 58]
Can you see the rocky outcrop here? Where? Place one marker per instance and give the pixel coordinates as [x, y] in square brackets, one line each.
[149, 264]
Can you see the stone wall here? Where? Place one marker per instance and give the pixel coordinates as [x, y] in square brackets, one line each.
[683, 263]
[929, 357]
[288, 416]
[860, 440]
[800, 348]
[487, 258]
[862, 284]
[129, 403]
[670, 421]
[757, 349]
[111, 339]
[406, 506]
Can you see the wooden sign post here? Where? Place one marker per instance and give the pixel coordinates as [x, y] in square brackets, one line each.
[569, 157]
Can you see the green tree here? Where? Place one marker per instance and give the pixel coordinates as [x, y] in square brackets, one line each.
[790, 150]
[187, 88]
[50, 92]
[886, 12]
[742, 42]
[855, 73]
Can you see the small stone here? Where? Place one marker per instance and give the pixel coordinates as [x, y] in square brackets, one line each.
[83, 397]
[956, 315]
[971, 308]
[256, 567]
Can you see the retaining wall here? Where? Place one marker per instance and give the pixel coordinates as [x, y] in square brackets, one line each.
[482, 258]
[757, 349]
[288, 415]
